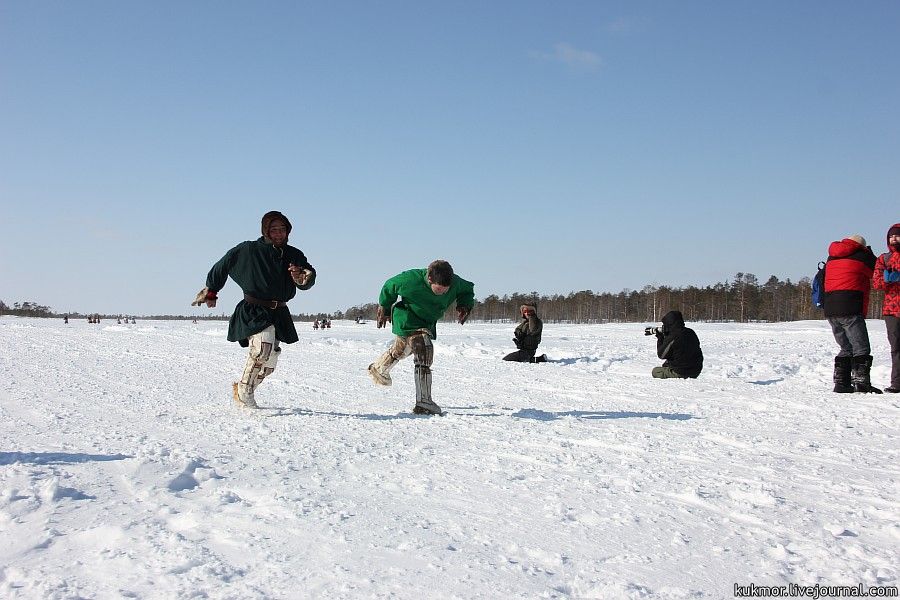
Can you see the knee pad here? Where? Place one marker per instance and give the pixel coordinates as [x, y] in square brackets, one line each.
[262, 344]
[400, 349]
[421, 371]
[423, 350]
[273, 358]
[269, 366]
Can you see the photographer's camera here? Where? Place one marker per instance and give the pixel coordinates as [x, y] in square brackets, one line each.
[652, 330]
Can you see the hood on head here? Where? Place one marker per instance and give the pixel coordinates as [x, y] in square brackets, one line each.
[846, 247]
[672, 320]
[529, 307]
[895, 228]
[273, 215]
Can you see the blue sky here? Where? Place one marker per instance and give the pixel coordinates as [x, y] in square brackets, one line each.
[546, 146]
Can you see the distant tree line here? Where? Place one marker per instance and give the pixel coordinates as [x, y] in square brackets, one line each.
[744, 298]
[33, 309]
[25, 309]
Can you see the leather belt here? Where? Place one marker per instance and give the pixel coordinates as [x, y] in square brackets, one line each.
[272, 304]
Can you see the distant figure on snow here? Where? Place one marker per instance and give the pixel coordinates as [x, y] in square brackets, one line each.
[269, 271]
[527, 337]
[679, 346]
[425, 294]
[848, 280]
[887, 278]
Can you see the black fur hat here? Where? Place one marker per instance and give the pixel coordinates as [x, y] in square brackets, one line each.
[895, 229]
[273, 215]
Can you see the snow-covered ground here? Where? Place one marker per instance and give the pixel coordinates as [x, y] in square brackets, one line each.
[125, 471]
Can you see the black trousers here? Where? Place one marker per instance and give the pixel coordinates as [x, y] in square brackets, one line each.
[520, 356]
[893, 331]
[851, 335]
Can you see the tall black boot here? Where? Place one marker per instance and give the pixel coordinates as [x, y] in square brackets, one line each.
[862, 366]
[842, 369]
[424, 404]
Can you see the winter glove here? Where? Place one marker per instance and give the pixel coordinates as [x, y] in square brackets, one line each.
[462, 313]
[891, 276]
[205, 296]
[382, 318]
[300, 276]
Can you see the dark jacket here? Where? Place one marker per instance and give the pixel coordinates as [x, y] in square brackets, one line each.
[261, 271]
[528, 334]
[679, 346]
[848, 279]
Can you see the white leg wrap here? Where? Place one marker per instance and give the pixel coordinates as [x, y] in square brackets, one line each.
[380, 370]
[269, 366]
[263, 354]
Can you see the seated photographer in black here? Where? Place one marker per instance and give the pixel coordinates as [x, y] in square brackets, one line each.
[678, 346]
[527, 337]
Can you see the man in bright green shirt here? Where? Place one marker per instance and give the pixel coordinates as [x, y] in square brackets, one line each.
[413, 301]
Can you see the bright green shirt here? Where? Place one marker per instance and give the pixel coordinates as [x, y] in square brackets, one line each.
[419, 307]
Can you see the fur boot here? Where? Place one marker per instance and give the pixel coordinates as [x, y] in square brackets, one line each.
[380, 370]
[862, 366]
[842, 369]
[243, 395]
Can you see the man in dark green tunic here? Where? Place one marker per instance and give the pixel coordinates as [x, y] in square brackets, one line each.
[424, 295]
[270, 272]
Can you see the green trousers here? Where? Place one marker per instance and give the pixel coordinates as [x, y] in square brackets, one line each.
[665, 373]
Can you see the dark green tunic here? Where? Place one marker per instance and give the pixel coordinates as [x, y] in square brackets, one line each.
[261, 271]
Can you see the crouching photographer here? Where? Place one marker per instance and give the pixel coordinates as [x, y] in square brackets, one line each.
[678, 346]
[527, 337]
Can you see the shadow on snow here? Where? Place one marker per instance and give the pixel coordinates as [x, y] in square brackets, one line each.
[527, 413]
[767, 381]
[286, 412]
[587, 359]
[56, 458]
[541, 415]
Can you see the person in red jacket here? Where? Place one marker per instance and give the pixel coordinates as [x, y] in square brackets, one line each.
[887, 278]
[848, 279]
